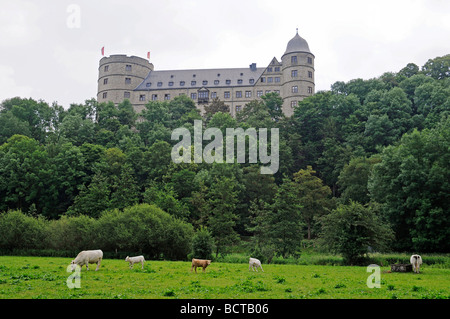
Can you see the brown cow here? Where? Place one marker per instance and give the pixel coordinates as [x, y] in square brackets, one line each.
[200, 263]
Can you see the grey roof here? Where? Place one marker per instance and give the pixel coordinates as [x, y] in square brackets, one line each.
[297, 44]
[173, 79]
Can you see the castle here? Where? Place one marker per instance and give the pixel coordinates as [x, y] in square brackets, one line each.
[134, 78]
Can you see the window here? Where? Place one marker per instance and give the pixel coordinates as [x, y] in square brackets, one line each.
[106, 68]
[193, 96]
[277, 91]
[251, 81]
[126, 95]
[159, 84]
[295, 89]
[263, 80]
[203, 94]
[238, 108]
[248, 93]
[267, 91]
[309, 60]
[270, 79]
[142, 97]
[171, 83]
[127, 80]
[310, 89]
[166, 96]
[239, 81]
[238, 94]
[105, 95]
[205, 82]
[269, 69]
[128, 67]
[277, 79]
[310, 74]
[154, 97]
[193, 83]
[294, 73]
[226, 94]
[293, 103]
[182, 83]
[294, 59]
[259, 93]
[277, 69]
[216, 82]
[228, 81]
[105, 81]
[213, 95]
[148, 84]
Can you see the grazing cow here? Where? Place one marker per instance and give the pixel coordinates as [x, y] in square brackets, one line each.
[254, 264]
[200, 263]
[137, 259]
[88, 257]
[416, 261]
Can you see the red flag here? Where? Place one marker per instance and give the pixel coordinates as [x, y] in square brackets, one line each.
[103, 50]
[148, 55]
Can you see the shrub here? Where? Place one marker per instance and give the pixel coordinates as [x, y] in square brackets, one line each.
[144, 228]
[202, 244]
[20, 231]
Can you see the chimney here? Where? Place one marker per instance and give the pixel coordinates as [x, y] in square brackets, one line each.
[253, 66]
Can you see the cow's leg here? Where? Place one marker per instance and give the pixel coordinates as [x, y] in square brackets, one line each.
[261, 268]
[98, 264]
[142, 263]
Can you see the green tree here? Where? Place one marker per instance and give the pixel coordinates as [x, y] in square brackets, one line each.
[354, 177]
[312, 196]
[412, 182]
[351, 229]
[286, 220]
[222, 200]
[202, 244]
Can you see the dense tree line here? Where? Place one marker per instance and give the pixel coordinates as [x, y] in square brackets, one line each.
[375, 152]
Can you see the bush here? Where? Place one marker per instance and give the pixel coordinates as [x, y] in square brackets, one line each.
[202, 244]
[72, 233]
[20, 231]
[144, 228]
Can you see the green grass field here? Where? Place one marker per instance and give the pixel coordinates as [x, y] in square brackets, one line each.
[45, 278]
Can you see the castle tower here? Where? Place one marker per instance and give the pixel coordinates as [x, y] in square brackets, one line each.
[298, 73]
[119, 75]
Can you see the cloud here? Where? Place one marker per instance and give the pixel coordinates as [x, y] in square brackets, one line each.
[19, 23]
[9, 86]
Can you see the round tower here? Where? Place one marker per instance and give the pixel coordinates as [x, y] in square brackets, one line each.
[298, 73]
[119, 75]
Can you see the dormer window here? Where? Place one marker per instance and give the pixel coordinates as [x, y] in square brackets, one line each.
[228, 81]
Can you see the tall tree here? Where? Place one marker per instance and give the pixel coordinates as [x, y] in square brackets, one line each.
[222, 220]
[312, 195]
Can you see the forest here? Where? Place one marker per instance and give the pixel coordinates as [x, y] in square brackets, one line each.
[362, 166]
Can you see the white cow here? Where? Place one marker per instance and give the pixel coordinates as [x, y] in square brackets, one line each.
[416, 261]
[88, 257]
[137, 259]
[254, 263]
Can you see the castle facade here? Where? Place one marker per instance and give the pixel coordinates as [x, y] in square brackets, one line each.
[134, 78]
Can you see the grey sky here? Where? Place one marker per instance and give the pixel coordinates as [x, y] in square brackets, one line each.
[43, 56]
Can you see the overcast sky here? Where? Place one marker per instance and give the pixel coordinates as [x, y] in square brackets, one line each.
[50, 49]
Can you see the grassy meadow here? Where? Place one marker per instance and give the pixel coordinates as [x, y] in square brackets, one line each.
[45, 278]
